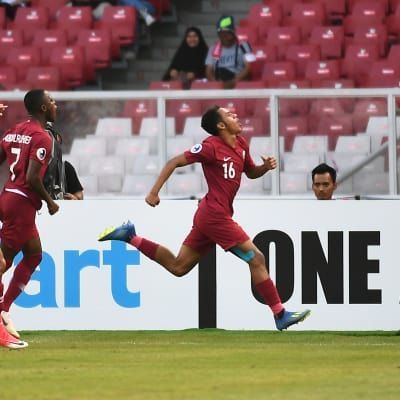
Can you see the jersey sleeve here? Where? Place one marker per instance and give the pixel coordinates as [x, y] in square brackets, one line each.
[40, 150]
[248, 160]
[201, 152]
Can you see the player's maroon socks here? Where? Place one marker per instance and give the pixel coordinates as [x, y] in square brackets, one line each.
[147, 247]
[270, 295]
[22, 275]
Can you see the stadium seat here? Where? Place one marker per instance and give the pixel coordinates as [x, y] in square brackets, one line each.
[29, 20]
[70, 61]
[353, 144]
[114, 127]
[351, 23]
[88, 147]
[367, 8]
[253, 126]
[357, 62]
[297, 162]
[290, 127]
[275, 72]
[265, 15]
[107, 165]
[90, 184]
[137, 110]
[262, 53]
[121, 21]
[2, 18]
[21, 58]
[138, 185]
[52, 6]
[188, 184]
[178, 145]
[247, 34]
[364, 109]
[46, 40]
[321, 108]
[192, 128]
[377, 35]
[165, 85]
[181, 109]
[310, 144]
[258, 84]
[150, 129]
[300, 55]
[306, 16]
[8, 77]
[286, 5]
[142, 164]
[132, 147]
[97, 49]
[371, 183]
[207, 85]
[282, 37]
[322, 70]
[335, 9]
[237, 106]
[45, 77]
[383, 74]
[293, 182]
[73, 19]
[262, 146]
[9, 39]
[335, 126]
[330, 39]
[293, 106]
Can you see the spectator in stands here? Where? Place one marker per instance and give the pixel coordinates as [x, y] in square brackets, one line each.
[323, 181]
[98, 6]
[143, 7]
[228, 61]
[12, 6]
[73, 187]
[188, 61]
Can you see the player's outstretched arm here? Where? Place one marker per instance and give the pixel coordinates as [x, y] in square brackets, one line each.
[153, 199]
[269, 163]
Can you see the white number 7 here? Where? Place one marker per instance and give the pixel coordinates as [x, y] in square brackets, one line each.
[17, 152]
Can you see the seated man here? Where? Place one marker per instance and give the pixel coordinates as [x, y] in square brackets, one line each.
[323, 181]
[228, 60]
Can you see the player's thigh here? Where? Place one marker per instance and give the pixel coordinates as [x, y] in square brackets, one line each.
[32, 246]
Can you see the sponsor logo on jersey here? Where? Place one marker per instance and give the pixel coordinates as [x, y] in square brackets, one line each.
[196, 148]
[41, 153]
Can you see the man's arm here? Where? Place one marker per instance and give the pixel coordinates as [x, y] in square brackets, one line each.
[35, 182]
[152, 198]
[210, 73]
[268, 164]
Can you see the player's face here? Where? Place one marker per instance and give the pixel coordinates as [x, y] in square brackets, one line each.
[323, 186]
[51, 107]
[231, 121]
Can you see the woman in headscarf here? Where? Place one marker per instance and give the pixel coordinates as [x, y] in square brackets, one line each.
[188, 62]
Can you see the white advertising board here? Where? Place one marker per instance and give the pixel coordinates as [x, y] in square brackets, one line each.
[359, 284]
[86, 284]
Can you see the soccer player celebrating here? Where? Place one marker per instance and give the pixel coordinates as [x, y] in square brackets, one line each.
[224, 156]
[27, 149]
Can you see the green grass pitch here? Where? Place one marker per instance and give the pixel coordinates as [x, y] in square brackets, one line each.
[203, 364]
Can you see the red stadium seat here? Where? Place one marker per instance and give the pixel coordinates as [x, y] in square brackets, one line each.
[46, 40]
[207, 85]
[139, 109]
[394, 5]
[282, 37]
[293, 106]
[352, 23]
[322, 70]
[357, 62]
[368, 8]
[247, 34]
[122, 23]
[21, 58]
[290, 127]
[52, 5]
[334, 126]
[43, 77]
[275, 72]
[322, 108]
[9, 39]
[237, 106]
[300, 55]
[383, 74]
[2, 18]
[8, 77]
[262, 54]
[181, 109]
[70, 61]
[287, 5]
[253, 126]
[335, 9]
[306, 16]
[330, 39]
[165, 85]
[364, 109]
[29, 20]
[97, 47]
[73, 19]
[265, 15]
[372, 34]
[259, 84]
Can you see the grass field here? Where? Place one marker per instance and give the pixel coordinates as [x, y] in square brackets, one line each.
[206, 364]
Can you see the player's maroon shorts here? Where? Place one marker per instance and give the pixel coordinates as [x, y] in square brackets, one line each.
[18, 216]
[209, 229]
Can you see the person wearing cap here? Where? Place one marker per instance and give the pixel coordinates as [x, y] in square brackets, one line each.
[228, 60]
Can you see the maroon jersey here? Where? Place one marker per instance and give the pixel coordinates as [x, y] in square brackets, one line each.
[223, 167]
[26, 141]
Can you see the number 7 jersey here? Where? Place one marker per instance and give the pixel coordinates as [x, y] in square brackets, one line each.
[223, 166]
[26, 141]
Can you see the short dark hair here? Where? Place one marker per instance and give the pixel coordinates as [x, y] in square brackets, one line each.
[33, 100]
[210, 119]
[323, 169]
